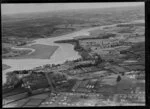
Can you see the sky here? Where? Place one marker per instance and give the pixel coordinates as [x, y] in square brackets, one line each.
[45, 7]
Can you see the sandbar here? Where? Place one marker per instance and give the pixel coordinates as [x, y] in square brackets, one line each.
[41, 52]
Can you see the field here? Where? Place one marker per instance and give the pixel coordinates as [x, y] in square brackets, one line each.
[41, 52]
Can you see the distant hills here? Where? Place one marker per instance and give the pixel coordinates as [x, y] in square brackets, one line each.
[75, 13]
[47, 24]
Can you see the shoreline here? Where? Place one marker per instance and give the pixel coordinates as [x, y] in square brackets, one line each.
[81, 51]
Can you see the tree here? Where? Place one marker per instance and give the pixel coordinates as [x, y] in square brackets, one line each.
[118, 78]
[18, 84]
[122, 73]
[97, 58]
[12, 78]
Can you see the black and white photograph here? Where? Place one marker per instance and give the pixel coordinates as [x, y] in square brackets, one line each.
[73, 54]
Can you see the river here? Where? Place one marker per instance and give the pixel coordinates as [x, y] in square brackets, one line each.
[63, 53]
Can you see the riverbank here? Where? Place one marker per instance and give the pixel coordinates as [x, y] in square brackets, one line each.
[22, 50]
[82, 52]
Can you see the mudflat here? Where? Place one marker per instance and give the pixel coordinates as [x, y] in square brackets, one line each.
[41, 52]
[4, 67]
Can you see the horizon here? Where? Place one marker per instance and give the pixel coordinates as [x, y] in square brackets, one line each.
[12, 9]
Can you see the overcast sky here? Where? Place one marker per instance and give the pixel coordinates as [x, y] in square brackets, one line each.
[44, 7]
